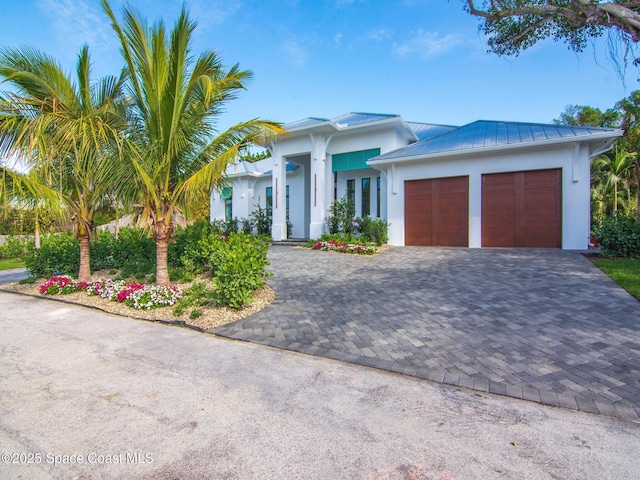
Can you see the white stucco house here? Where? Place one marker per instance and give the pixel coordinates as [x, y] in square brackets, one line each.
[485, 184]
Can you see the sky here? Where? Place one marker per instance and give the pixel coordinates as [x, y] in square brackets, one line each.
[425, 60]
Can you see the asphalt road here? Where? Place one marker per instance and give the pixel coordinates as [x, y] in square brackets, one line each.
[85, 394]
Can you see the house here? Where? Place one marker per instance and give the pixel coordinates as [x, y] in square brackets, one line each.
[485, 184]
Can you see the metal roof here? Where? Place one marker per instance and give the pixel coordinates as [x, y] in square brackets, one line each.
[429, 130]
[259, 168]
[485, 134]
[351, 119]
[343, 121]
[305, 122]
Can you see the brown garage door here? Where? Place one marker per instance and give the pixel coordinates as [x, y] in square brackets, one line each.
[522, 209]
[437, 212]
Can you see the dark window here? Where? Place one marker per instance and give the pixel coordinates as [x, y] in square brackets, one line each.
[287, 202]
[351, 194]
[269, 201]
[366, 196]
[228, 208]
[378, 197]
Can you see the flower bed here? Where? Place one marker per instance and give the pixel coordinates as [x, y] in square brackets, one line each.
[334, 246]
[133, 294]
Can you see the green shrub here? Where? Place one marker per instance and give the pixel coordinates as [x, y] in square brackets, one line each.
[15, 247]
[196, 295]
[618, 236]
[341, 217]
[261, 220]
[238, 269]
[183, 252]
[58, 254]
[103, 252]
[372, 230]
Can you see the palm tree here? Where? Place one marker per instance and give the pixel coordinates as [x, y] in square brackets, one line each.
[173, 144]
[66, 129]
[615, 171]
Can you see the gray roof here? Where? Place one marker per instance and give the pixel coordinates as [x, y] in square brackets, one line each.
[305, 122]
[485, 134]
[429, 130]
[343, 121]
[259, 168]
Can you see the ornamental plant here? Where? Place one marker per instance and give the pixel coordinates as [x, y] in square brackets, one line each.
[62, 285]
[154, 296]
[133, 294]
[334, 246]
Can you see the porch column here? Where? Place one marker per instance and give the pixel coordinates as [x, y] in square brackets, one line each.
[278, 202]
[318, 180]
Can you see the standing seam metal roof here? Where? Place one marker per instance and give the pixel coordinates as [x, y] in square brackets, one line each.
[487, 134]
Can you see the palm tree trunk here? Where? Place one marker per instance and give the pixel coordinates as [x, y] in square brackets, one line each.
[36, 227]
[84, 273]
[162, 266]
[162, 231]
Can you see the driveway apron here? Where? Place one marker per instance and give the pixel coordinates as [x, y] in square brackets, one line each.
[540, 325]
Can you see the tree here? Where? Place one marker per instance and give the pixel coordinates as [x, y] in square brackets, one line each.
[615, 171]
[630, 111]
[515, 25]
[64, 129]
[172, 142]
[584, 115]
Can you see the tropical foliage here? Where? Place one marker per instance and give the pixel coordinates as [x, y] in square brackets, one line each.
[176, 153]
[64, 129]
[515, 25]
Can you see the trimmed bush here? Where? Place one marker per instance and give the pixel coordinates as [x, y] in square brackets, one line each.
[619, 236]
[239, 269]
[58, 254]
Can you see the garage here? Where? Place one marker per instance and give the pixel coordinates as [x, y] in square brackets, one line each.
[437, 212]
[522, 209]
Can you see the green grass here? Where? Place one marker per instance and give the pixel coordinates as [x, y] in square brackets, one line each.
[9, 263]
[624, 271]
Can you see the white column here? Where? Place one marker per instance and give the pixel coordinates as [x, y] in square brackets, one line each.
[475, 210]
[316, 185]
[279, 190]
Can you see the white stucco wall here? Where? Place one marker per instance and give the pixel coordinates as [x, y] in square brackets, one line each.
[250, 191]
[358, 175]
[575, 187]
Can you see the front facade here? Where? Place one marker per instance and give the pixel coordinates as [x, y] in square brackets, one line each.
[485, 184]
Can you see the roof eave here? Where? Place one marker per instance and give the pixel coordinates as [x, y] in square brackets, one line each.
[611, 135]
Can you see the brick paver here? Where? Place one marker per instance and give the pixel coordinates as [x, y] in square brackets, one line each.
[541, 325]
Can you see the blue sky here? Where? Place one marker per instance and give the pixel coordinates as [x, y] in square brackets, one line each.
[422, 59]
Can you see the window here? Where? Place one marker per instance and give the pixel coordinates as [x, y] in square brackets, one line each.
[228, 207]
[378, 197]
[351, 194]
[287, 202]
[366, 196]
[269, 201]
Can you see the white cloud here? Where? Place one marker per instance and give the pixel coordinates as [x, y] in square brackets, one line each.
[378, 35]
[337, 39]
[294, 52]
[77, 22]
[208, 12]
[428, 44]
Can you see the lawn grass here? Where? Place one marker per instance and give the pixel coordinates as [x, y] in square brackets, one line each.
[9, 263]
[624, 271]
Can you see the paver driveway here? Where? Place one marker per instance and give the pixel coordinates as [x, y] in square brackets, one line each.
[542, 325]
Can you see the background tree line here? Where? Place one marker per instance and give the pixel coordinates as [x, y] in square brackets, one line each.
[615, 176]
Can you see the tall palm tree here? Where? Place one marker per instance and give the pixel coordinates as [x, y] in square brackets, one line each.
[614, 171]
[65, 128]
[176, 151]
